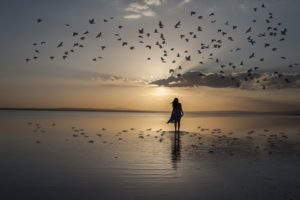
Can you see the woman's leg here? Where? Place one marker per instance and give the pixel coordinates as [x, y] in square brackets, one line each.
[175, 125]
[178, 125]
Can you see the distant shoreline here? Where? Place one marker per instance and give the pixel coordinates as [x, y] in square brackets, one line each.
[287, 113]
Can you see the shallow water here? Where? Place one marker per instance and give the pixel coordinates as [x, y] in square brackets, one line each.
[103, 155]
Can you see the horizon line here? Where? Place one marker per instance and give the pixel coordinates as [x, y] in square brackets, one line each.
[284, 112]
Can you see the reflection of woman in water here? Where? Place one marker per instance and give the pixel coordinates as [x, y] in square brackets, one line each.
[176, 115]
[176, 150]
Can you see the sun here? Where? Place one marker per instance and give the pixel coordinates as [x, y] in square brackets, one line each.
[161, 91]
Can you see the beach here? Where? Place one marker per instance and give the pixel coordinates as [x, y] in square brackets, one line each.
[128, 155]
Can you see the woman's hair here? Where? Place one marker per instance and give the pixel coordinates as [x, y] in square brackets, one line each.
[175, 103]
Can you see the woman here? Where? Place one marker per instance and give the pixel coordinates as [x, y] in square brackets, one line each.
[176, 115]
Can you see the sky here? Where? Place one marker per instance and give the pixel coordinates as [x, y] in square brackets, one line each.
[132, 66]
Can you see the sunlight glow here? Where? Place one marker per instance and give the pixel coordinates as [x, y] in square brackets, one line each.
[161, 91]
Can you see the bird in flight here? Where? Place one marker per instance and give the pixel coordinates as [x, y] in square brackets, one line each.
[60, 44]
[92, 21]
[177, 24]
[207, 50]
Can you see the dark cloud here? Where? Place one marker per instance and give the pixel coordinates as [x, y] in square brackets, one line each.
[242, 80]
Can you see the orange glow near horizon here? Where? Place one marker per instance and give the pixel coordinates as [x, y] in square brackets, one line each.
[152, 98]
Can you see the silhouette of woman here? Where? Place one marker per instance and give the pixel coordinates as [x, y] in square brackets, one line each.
[176, 114]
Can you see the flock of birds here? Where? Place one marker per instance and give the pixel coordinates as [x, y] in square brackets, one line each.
[204, 140]
[207, 50]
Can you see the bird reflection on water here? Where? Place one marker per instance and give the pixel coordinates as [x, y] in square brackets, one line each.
[176, 149]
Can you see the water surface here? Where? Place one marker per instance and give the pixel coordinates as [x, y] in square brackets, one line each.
[111, 155]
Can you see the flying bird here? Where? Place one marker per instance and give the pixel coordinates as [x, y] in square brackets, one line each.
[99, 35]
[248, 30]
[141, 31]
[177, 24]
[92, 21]
[160, 24]
[251, 56]
[230, 39]
[284, 31]
[60, 44]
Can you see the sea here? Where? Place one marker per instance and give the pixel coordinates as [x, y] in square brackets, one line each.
[137, 155]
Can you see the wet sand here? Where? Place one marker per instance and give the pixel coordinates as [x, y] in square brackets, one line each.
[84, 155]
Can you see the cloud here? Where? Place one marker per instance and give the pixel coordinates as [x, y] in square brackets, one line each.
[241, 80]
[142, 8]
[186, 1]
[153, 2]
[133, 16]
[112, 80]
[137, 7]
